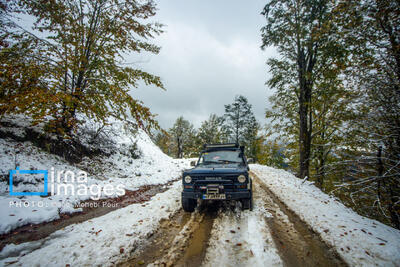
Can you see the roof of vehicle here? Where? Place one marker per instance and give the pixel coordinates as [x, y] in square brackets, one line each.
[226, 146]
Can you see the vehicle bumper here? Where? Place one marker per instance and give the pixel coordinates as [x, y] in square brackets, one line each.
[229, 195]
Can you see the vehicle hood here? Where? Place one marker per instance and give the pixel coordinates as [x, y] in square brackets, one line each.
[216, 170]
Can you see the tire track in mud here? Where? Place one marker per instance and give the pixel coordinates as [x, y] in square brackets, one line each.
[180, 241]
[297, 244]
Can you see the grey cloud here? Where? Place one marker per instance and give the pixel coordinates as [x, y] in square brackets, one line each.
[210, 53]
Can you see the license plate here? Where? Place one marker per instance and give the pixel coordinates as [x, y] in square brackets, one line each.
[214, 196]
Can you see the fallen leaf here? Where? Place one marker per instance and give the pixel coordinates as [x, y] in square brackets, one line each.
[239, 244]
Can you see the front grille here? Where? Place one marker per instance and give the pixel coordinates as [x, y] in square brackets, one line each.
[212, 178]
[227, 182]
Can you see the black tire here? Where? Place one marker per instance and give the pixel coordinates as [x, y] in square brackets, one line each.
[251, 198]
[251, 202]
[189, 204]
[246, 203]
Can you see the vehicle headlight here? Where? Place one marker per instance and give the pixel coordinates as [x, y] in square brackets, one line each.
[188, 179]
[242, 178]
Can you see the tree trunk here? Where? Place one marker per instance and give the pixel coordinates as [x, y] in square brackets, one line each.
[321, 167]
[237, 125]
[305, 126]
[179, 150]
[304, 138]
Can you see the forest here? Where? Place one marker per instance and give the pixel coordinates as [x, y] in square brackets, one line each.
[333, 118]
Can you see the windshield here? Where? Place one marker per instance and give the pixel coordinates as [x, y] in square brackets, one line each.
[220, 157]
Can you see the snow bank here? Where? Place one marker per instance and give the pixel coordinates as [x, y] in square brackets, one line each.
[102, 241]
[358, 240]
[121, 168]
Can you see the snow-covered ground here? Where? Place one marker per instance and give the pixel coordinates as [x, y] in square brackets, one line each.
[135, 161]
[119, 169]
[243, 241]
[358, 240]
[102, 241]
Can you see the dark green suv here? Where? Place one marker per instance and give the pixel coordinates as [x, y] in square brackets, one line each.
[221, 173]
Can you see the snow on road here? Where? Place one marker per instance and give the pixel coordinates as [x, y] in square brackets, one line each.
[242, 239]
[358, 240]
[102, 241]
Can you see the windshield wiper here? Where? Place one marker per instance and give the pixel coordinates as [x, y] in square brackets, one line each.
[227, 161]
[210, 162]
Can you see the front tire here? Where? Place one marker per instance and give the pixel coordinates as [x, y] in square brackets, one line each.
[189, 204]
[247, 203]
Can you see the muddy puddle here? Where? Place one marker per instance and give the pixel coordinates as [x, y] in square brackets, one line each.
[91, 209]
[296, 243]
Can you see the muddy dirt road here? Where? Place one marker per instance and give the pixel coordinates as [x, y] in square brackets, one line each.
[220, 234]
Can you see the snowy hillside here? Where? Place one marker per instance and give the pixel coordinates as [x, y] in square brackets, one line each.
[132, 161]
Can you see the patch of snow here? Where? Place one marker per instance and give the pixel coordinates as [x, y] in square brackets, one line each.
[358, 240]
[102, 241]
[245, 241]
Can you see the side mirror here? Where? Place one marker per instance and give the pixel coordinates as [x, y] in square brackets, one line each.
[250, 161]
[193, 163]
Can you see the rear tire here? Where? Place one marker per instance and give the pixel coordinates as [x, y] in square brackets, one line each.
[189, 204]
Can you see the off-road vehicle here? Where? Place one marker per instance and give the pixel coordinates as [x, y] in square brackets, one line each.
[220, 173]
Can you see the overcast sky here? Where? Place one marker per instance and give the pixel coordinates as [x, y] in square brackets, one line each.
[210, 53]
